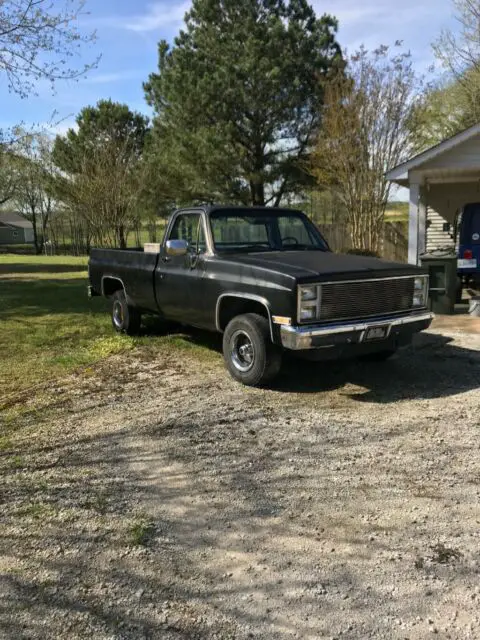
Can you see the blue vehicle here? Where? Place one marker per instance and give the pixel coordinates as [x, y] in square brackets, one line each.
[467, 233]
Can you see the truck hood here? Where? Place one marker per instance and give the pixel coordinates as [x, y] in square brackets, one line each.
[322, 265]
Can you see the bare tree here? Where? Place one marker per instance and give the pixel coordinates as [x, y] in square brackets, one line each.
[39, 41]
[102, 169]
[364, 133]
[105, 191]
[460, 49]
[33, 189]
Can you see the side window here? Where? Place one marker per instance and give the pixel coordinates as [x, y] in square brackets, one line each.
[189, 227]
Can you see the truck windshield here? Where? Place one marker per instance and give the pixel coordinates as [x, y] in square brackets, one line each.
[264, 231]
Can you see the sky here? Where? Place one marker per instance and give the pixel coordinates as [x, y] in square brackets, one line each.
[128, 33]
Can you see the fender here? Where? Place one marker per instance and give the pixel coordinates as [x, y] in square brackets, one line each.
[112, 278]
[244, 296]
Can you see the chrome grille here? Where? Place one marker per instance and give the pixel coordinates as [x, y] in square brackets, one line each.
[364, 298]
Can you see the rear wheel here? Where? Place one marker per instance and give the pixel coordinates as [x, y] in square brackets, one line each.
[250, 356]
[125, 318]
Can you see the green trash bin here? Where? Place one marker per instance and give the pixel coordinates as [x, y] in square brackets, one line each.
[442, 269]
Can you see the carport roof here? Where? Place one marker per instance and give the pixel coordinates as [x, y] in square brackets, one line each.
[400, 173]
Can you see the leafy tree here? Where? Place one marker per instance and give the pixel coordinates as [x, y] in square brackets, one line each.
[452, 104]
[8, 175]
[443, 110]
[364, 133]
[38, 40]
[102, 169]
[237, 99]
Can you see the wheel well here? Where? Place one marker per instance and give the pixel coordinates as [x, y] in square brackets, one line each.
[231, 306]
[110, 285]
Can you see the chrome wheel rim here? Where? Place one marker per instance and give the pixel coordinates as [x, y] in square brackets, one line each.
[242, 351]
[117, 314]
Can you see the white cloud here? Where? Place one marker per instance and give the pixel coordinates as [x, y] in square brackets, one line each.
[109, 78]
[158, 15]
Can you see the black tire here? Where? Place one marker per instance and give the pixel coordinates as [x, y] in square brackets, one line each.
[125, 318]
[378, 356]
[250, 356]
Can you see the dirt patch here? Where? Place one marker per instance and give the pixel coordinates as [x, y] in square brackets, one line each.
[463, 323]
[153, 497]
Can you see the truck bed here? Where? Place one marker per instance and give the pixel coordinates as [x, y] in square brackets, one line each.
[134, 268]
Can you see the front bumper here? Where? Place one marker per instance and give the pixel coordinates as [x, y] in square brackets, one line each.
[299, 338]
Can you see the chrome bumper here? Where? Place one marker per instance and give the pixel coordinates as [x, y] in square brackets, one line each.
[321, 336]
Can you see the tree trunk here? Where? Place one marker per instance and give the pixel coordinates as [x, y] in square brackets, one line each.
[36, 240]
[122, 242]
[257, 190]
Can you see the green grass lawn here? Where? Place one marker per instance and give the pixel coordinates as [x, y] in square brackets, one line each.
[397, 212]
[48, 325]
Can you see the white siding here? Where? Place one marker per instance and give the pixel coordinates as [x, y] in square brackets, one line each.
[437, 238]
[464, 156]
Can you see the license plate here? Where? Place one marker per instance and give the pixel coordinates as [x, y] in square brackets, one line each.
[467, 264]
[377, 333]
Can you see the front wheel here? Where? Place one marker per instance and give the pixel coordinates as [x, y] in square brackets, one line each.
[125, 318]
[250, 356]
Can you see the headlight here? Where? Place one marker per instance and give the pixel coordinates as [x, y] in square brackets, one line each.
[307, 314]
[420, 291]
[308, 293]
[308, 303]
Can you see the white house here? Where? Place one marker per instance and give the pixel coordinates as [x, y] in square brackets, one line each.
[441, 181]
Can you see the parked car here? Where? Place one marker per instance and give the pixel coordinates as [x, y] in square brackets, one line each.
[268, 281]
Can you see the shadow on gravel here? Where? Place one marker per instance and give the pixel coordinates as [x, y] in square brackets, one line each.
[431, 368]
[71, 566]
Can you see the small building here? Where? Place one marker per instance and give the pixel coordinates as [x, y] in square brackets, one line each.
[15, 229]
[441, 180]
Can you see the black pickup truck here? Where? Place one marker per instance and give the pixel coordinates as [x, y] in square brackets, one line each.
[267, 280]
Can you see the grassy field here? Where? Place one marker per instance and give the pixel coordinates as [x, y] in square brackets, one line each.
[48, 325]
[397, 212]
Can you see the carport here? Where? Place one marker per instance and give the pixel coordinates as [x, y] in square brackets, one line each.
[441, 180]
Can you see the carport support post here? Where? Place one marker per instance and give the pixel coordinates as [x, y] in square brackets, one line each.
[416, 223]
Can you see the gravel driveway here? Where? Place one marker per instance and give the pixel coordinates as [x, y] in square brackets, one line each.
[153, 497]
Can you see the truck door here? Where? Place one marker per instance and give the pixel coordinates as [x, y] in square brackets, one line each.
[178, 279]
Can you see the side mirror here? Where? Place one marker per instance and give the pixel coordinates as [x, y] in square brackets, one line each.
[177, 248]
